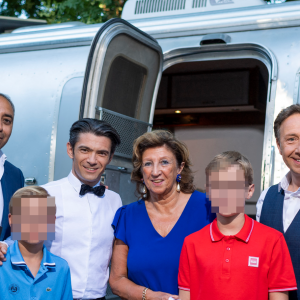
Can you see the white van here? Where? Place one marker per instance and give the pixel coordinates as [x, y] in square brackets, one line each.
[215, 72]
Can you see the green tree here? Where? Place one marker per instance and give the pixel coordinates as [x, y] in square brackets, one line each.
[58, 11]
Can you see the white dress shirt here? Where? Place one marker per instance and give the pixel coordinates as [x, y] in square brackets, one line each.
[291, 203]
[83, 234]
[2, 161]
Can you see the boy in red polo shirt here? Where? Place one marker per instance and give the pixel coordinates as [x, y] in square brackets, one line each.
[234, 257]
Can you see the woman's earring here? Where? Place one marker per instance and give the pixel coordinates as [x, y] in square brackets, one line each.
[178, 179]
[144, 189]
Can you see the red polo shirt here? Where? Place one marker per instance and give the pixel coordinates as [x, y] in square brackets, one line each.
[248, 265]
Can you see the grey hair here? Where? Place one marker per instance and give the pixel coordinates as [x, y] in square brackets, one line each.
[8, 99]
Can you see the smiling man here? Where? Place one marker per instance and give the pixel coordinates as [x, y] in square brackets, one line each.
[279, 206]
[85, 209]
[11, 178]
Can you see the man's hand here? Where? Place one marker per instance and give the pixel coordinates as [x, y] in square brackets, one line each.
[3, 250]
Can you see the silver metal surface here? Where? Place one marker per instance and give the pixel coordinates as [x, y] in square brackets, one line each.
[68, 111]
[30, 180]
[48, 39]
[216, 36]
[35, 80]
[225, 21]
[48, 27]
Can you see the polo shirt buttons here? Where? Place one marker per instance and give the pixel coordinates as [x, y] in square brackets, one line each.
[228, 248]
[227, 260]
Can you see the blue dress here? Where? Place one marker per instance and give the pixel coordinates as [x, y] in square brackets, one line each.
[153, 260]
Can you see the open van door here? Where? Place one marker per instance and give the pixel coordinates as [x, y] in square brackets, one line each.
[121, 81]
[123, 71]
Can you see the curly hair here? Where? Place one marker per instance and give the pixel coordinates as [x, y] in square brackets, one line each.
[159, 138]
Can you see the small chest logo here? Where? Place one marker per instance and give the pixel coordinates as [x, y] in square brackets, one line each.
[48, 290]
[253, 261]
[14, 289]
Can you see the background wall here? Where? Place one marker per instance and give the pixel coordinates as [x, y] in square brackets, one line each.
[205, 143]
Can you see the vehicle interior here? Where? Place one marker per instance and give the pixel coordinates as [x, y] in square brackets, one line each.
[215, 106]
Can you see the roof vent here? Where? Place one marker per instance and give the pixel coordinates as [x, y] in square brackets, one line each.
[199, 3]
[152, 6]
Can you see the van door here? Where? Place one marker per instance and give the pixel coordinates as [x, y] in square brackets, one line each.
[123, 71]
[121, 81]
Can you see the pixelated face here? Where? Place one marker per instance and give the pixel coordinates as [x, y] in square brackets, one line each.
[289, 146]
[6, 121]
[33, 219]
[227, 190]
[90, 155]
[159, 169]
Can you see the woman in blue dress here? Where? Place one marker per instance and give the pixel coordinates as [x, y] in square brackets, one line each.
[150, 232]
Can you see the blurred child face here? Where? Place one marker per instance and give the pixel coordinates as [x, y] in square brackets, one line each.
[33, 219]
[227, 190]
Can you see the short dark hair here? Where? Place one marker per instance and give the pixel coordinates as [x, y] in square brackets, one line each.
[8, 99]
[283, 115]
[96, 127]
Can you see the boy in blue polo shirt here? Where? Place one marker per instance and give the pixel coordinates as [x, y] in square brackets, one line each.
[31, 271]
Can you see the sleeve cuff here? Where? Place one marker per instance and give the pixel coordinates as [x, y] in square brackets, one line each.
[283, 289]
[183, 288]
[4, 243]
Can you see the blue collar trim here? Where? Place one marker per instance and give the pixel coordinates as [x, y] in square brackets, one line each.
[16, 257]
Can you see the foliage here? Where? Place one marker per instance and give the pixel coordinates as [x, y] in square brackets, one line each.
[58, 11]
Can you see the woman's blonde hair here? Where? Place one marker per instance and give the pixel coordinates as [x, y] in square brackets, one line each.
[159, 138]
[229, 158]
[28, 191]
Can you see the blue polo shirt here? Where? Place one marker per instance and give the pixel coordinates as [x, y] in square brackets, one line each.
[53, 280]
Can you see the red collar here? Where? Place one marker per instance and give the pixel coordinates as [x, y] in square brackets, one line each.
[244, 234]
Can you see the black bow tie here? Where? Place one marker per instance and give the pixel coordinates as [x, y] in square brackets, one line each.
[98, 190]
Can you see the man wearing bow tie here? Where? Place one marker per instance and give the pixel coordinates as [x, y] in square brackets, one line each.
[85, 210]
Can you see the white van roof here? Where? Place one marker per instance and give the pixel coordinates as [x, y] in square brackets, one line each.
[137, 9]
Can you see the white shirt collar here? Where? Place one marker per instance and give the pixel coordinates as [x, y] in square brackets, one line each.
[285, 182]
[2, 162]
[75, 182]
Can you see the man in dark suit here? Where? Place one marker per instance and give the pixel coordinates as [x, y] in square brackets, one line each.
[11, 178]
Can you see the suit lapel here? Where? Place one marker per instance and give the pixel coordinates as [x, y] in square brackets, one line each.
[4, 185]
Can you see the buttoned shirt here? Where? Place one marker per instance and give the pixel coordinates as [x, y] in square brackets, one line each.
[2, 161]
[248, 265]
[83, 234]
[291, 203]
[52, 281]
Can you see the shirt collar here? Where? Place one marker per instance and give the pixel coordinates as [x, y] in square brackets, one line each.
[17, 259]
[76, 183]
[3, 158]
[244, 234]
[285, 182]
[2, 162]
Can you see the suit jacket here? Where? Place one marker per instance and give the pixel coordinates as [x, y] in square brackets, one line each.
[11, 181]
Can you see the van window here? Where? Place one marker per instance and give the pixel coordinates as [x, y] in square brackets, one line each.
[125, 82]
